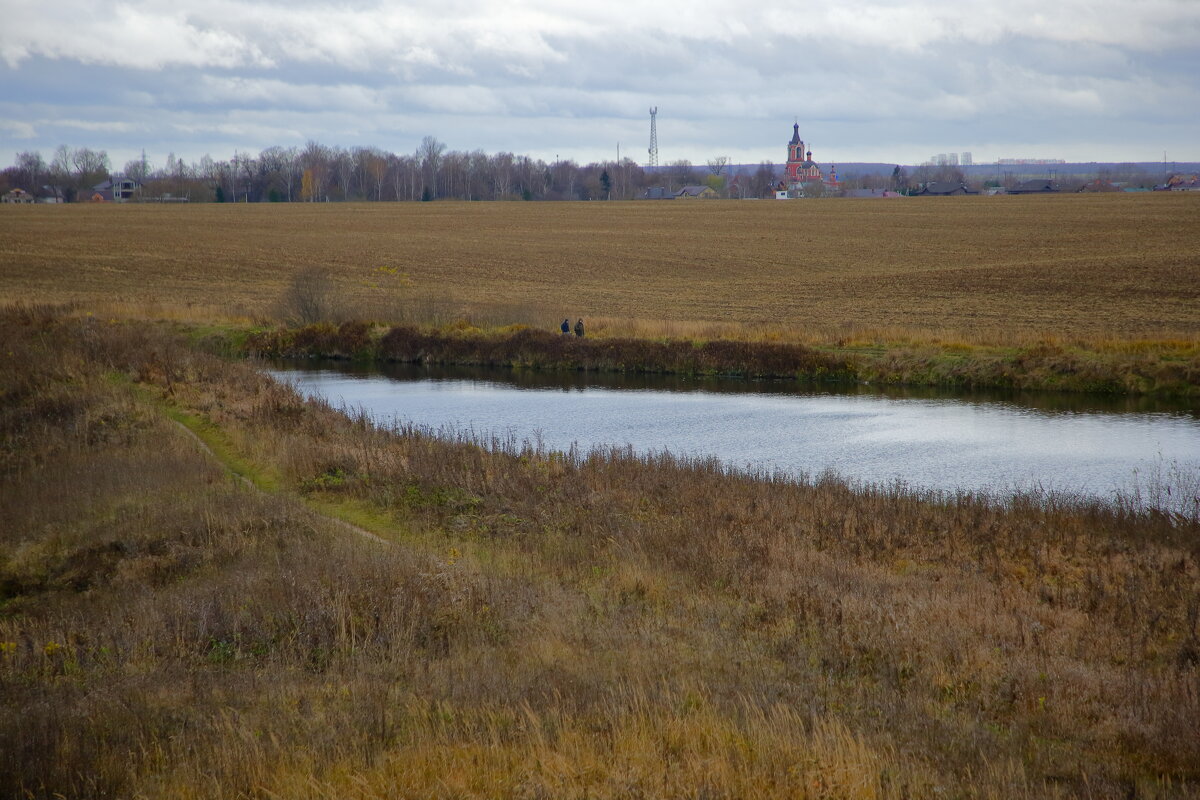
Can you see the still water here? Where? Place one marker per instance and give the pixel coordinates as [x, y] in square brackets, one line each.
[927, 439]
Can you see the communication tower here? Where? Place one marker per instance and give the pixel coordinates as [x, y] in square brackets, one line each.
[653, 162]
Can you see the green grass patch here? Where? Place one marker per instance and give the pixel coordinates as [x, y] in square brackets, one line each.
[265, 478]
[360, 513]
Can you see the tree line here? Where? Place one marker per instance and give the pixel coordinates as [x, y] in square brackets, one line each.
[323, 173]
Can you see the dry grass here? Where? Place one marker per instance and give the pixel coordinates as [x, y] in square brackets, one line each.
[978, 270]
[1165, 368]
[542, 626]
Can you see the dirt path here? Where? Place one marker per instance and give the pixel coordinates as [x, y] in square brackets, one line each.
[341, 523]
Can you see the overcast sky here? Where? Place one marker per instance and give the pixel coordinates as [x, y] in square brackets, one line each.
[868, 80]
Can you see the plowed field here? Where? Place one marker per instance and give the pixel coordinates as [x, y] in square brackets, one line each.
[1123, 266]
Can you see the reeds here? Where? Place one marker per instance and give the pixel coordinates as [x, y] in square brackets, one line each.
[1043, 365]
[543, 626]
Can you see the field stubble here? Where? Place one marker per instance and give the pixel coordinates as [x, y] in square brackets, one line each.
[1006, 270]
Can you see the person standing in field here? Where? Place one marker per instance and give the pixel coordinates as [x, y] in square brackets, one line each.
[566, 327]
[578, 328]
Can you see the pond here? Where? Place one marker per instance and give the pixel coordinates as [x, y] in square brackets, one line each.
[1094, 446]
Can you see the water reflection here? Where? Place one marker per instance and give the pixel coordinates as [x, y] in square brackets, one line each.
[989, 441]
[576, 380]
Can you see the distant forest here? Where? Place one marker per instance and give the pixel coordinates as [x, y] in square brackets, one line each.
[322, 173]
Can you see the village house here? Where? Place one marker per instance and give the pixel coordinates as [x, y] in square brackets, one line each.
[1036, 186]
[696, 193]
[864, 193]
[118, 191]
[1099, 185]
[52, 195]
[1180, 183]
[17, 196]
[942, 189]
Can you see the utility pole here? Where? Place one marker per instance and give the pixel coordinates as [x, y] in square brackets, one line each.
[653, 162]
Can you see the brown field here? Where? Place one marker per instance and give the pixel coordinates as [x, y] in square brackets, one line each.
[982, 270]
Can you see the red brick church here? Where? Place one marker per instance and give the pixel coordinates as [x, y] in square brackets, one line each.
[801, 169]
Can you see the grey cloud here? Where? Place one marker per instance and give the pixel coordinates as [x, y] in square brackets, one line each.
[866, 76]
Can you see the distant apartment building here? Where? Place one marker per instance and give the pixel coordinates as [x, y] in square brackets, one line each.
[950, 160]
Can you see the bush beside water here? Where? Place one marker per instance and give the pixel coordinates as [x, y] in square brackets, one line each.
[1036, 367]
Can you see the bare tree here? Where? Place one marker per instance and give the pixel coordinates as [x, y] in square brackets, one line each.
[502, 172]
[370, 173]
[225, 178]
[951, 174]
[90, 164]
[314, 160]
[308, 298]
[406, 177]
[278, 166]
[948, 173]
[452, 170]
[681, 173]
[60, 166]
[717, 165]
[372, 167]
[627, 177]
[79, 169]
[30, 170]
[763, 179]
[343, 167]
[429, 154]
[480, 175]
[136, 170]
[206, 168]
[247, 169]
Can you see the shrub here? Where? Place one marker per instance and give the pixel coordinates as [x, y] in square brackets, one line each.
[308, 298]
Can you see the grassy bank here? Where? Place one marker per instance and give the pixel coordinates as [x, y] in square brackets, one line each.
[1166, 369]
[541, 626]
